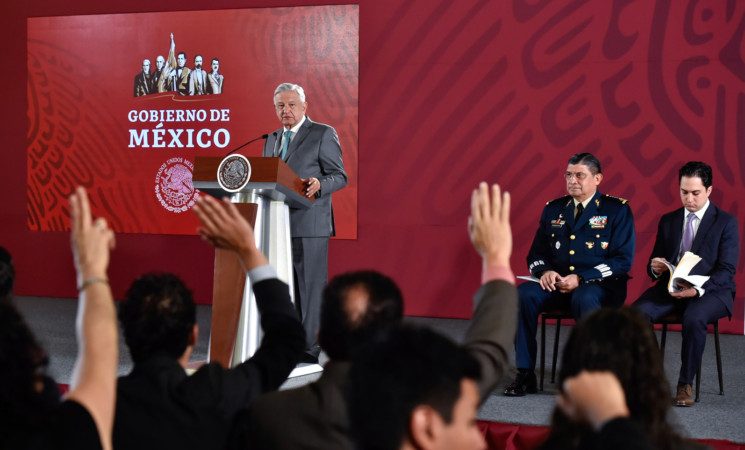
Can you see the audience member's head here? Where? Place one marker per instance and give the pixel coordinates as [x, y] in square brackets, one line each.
[158, 317]
[356, 306]
[7, 275]
[414, 388]
[620, 341]
[24, 406]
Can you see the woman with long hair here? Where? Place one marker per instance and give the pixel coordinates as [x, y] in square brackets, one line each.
[622, 342]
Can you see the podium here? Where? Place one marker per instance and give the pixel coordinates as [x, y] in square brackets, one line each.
[264, 201]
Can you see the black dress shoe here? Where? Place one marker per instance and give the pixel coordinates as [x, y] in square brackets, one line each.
[524, 383]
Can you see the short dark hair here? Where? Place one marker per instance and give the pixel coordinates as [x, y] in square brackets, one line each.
[7, 274]
[588, 159]
[622, 341]
[181, 53]
[157, 316]
[23, 410]
[698, 169]
[400, 371]
[340, 334]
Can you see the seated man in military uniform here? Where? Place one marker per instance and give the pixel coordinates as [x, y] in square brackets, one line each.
[580, 255]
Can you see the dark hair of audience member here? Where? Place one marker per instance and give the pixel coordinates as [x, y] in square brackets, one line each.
[7, 275]
[157, 316]
[587, 159]
[693, 169]
[390, 377]
[27, 396]
[623, 342]
[342, 328]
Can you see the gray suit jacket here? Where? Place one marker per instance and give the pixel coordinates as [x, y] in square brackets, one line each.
[315, 416]
[313, 152]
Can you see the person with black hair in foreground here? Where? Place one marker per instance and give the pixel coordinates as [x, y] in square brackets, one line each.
[31, 416]
[614, 393]
[158, 405]
[356, 306]
[416, 389]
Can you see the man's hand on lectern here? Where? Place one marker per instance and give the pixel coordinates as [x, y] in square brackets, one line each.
[224, 227]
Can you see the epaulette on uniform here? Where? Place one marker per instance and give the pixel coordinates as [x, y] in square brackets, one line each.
[559, 200]
[620, 200]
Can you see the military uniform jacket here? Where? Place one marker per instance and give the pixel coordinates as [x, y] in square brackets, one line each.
[600, 245]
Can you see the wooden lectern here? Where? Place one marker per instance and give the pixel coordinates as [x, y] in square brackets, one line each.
[265, 201]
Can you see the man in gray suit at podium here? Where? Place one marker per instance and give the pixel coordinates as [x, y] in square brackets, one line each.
[312, 150]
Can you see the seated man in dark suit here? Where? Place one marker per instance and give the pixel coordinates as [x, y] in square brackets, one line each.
[357, 307]
[158, 405]
[711, 233]
[581, 255]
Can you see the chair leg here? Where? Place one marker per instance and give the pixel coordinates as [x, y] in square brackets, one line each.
[719, 357]
[543, 348]
[556, 350]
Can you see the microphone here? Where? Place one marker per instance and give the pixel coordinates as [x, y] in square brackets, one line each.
[263, 136]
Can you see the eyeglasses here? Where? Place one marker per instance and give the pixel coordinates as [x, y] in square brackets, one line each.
[579, 176]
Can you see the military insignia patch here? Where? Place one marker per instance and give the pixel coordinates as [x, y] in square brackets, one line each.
[558, 223]
[590, 245]
[604, 245]
[598, 221]
[558, 244]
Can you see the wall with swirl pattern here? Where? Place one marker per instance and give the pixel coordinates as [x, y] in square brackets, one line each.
[452, 93]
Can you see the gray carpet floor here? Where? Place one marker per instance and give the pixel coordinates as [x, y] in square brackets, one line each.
[715, 416]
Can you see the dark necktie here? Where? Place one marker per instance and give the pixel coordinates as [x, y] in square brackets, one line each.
[580, 210]
[285, 144]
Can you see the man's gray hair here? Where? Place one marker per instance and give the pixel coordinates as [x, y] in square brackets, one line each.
[284, 87]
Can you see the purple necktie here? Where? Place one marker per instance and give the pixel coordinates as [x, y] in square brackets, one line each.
[687, 241]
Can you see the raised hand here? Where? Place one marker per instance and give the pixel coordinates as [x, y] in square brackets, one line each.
[91, 240]
[224, 227]
[489, 225]
[593, 397]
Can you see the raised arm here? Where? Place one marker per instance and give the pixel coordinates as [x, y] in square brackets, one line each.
[94, 375]
[284, 336]
[492, 328]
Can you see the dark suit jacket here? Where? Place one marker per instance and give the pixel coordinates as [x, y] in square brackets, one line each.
[717, 242]
[315, 416]
[600, 246]
[158, 406]
[142, 84]
[314, 152]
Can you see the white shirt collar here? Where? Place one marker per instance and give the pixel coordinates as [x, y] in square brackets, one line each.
[586, 202]
[296, 127]
[700, 213]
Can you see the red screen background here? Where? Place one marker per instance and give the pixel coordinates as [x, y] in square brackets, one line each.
[452, 93]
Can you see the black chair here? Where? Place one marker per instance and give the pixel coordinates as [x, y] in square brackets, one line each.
[558, 315]
[675, 318]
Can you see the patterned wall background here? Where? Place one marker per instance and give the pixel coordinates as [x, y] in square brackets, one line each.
[452, 93]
